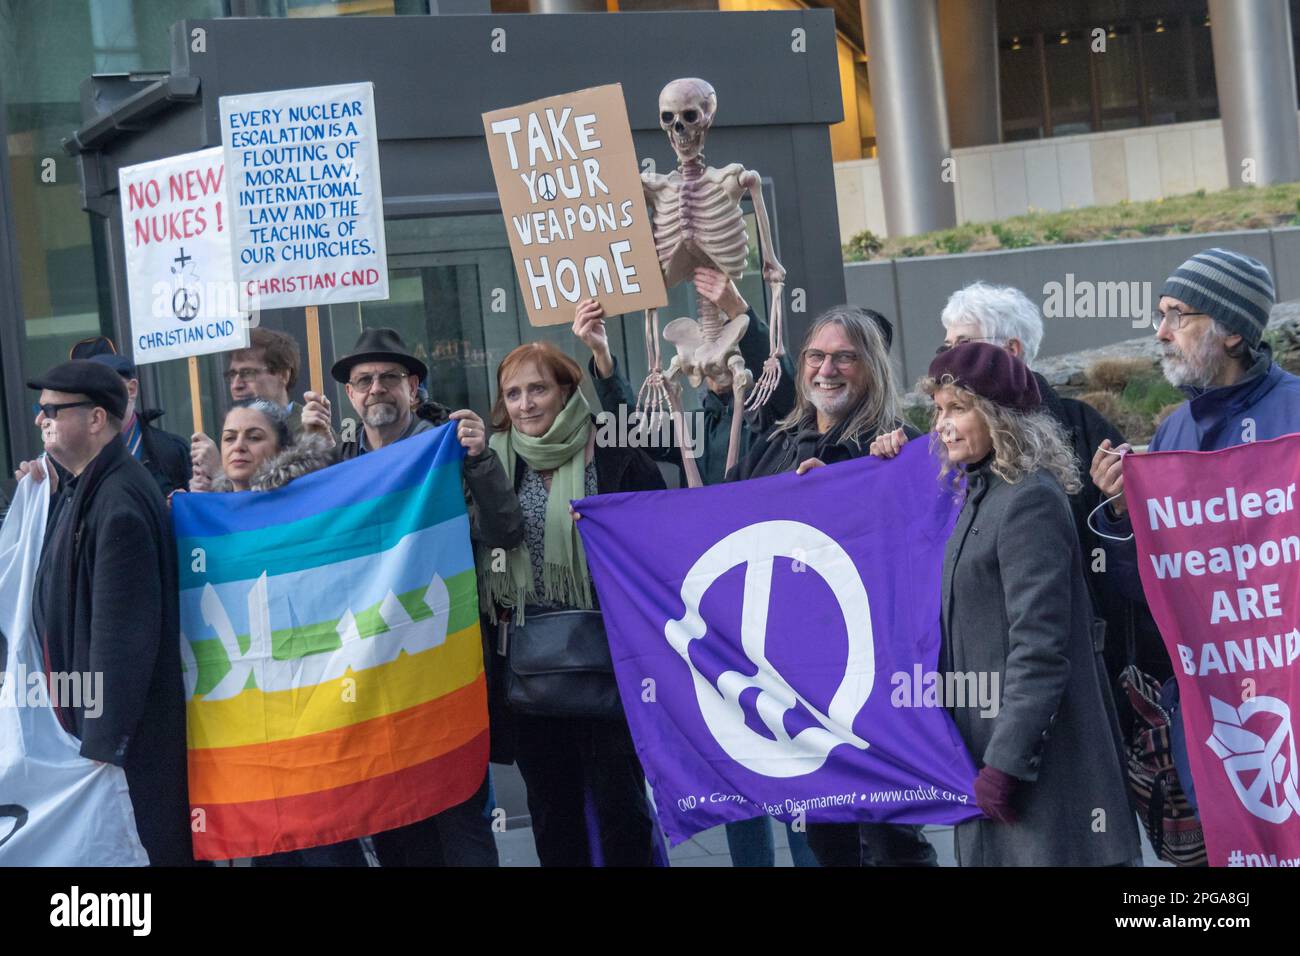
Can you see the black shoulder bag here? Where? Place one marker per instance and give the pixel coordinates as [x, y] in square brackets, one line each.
[558, 665]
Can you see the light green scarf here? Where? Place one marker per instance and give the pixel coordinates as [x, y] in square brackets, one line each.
[565, 580]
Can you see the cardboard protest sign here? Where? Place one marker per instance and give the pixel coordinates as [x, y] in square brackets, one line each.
[305, 200]
[180, 280]
[570, 190]
[1218, 541]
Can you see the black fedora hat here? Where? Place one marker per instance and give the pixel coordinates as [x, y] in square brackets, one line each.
[378, 345]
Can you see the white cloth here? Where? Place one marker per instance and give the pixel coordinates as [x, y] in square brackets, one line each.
[57, 808]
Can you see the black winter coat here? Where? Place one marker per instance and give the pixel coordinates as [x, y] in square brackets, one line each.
[782, 450]
[109, 574]
[165, 456]
[1130, 630]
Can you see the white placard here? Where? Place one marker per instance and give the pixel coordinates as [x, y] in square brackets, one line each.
[180, 280]
[304, 192]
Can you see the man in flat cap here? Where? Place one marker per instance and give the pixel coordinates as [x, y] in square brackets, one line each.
[165, 456]
[105, 601]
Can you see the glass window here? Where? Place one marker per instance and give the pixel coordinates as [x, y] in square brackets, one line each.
[1020, 81]
[46, 50]
[1117, 79]
[1207, 94]
[1069, 86]
[1164, 61]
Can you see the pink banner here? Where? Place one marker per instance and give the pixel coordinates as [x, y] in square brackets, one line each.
[1218, 540]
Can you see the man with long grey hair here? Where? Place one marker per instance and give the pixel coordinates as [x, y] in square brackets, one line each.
[846, 395]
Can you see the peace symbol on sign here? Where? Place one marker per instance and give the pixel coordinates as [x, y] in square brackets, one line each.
[185, 303]
[546, 186]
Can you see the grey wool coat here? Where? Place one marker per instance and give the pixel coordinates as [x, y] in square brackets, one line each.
[1015, 604]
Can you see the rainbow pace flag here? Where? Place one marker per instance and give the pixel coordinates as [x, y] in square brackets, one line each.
[333, 662]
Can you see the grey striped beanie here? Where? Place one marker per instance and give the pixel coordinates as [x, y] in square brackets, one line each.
[1234, 289]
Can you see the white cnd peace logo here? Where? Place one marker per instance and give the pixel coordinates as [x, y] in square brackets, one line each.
[1263, 773]
[756, 546]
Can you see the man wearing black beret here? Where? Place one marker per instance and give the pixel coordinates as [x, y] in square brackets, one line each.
[105, 601]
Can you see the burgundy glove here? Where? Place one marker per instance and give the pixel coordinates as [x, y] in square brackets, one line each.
[993, 790]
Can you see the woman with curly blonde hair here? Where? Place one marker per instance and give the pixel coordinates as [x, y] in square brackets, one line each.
[1015, 607]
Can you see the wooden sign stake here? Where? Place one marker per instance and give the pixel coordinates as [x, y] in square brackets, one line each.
[196, 400]
[313, 350]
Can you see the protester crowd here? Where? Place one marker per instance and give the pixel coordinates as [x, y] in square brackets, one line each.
[1040, 478]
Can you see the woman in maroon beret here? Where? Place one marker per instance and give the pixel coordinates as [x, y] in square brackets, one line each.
[1017, 617]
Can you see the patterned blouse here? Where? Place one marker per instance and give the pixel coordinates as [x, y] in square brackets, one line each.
[532, 501]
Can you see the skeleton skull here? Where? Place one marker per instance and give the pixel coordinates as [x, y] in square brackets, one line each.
[686, 109]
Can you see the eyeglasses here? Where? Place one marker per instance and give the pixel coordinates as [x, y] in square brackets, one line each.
[1176, 318]
[814, 358]
[51, 409]
[244, 374]
[389, 381]
[962, 340]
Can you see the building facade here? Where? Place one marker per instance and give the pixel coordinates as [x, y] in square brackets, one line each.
[898, 85]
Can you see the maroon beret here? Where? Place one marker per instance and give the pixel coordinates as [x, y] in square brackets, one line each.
[990, 372]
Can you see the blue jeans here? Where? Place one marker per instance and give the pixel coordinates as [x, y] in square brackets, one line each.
[751, 844]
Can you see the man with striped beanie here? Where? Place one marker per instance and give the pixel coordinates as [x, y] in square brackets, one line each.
[1213, 311]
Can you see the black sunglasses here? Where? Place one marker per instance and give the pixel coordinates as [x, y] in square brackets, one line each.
[51, 409]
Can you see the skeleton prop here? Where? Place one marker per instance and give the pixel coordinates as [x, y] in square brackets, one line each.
[697, 221]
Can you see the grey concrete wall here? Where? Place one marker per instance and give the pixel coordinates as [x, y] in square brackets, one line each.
[912, 292]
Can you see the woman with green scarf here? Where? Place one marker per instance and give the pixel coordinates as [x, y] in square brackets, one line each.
[586, 789]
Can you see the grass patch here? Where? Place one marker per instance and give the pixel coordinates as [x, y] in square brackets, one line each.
[1199, 212]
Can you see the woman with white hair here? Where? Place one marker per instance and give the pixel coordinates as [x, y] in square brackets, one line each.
[1006, 317]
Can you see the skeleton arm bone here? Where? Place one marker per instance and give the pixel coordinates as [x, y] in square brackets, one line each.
[774, 276]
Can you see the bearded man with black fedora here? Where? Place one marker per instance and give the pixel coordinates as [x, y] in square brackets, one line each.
[105, 601]
[383, 378]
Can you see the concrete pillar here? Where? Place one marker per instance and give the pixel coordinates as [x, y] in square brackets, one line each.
[1254, 70]
[911, 117]
[567, 6]
[968, 39]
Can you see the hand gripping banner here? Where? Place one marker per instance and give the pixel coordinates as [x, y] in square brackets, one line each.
[756, 630]
[1218, 540]
[333, 659]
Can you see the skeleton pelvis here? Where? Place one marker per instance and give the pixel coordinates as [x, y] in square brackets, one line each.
[699, 357]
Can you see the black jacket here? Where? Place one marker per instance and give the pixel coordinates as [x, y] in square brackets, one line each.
[165, 456]
[494, 516]
[108, 589]
[782, 450]
[1130, 630]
